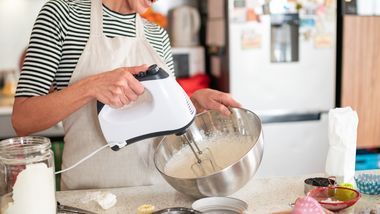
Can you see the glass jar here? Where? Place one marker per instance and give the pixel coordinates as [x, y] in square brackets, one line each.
[27, 180]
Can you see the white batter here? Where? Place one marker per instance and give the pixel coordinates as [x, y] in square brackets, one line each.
[33, 192]
[226, 150]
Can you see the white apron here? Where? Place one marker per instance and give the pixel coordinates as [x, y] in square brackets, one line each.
[132, 165]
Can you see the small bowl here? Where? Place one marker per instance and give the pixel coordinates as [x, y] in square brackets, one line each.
[368, 183]
[335, 198]
[225, 205]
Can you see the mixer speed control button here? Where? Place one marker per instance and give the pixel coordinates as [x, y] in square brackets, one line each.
[153, 69]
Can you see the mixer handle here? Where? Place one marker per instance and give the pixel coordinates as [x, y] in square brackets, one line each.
[152, 73]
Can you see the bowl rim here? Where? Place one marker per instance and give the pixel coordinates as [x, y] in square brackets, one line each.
[373, 178]
[351, 201]
[227, 167]
[218, 198]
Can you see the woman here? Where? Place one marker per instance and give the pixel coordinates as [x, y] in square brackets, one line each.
[88, 51]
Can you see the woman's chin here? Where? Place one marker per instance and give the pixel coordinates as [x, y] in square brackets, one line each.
[142, 10]
[149, 2]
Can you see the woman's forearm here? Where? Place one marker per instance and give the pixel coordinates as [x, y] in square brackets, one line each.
[33, 114]
[115, 88]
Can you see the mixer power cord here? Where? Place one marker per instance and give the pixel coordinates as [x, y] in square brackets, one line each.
[83, 159]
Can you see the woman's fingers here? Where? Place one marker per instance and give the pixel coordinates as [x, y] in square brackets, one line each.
[119, 87]
[130, 94]
[227, 100]
[135, 86]
[214, 100]
[132, 82]
[136, 69]
[215, 105]
[124, 99]
[128, 88]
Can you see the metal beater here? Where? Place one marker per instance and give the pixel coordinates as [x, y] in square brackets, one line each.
[205, 163]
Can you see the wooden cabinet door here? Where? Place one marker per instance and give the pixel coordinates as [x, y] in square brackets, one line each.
[361, 75]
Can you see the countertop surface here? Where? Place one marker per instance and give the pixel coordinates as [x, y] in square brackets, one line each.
[263, 195]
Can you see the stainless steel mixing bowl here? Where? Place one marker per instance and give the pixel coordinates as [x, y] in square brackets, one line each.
[231, 178]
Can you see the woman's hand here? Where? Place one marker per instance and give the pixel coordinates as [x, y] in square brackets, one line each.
[204, 99]
[117, 87]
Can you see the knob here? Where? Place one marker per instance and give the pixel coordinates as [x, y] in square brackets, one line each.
[153, 69]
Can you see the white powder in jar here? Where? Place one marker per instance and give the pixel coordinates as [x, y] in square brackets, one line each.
[226, 150]
[33, 192]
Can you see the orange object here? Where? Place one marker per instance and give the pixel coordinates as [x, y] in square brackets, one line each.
[252, 16]
[194, 83]
[155, 17]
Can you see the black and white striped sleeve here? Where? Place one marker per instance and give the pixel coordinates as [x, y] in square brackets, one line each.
[167, 51]
[159, 39]
[44, 50]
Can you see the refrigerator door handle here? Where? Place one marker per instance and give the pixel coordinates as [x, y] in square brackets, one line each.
[289, 116]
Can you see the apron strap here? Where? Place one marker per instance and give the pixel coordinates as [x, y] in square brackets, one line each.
[140, 32]
[96, 24]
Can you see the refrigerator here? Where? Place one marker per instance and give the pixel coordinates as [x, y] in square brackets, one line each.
[282, 66]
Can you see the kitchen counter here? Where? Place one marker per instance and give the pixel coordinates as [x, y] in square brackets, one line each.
[6, 105]
[263, 195]
[5, 110]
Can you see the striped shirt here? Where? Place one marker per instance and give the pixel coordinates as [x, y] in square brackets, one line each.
[59, 36]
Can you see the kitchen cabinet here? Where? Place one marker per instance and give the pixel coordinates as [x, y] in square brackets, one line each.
[361, 75]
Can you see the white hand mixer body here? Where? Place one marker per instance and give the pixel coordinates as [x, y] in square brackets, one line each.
[163, 109]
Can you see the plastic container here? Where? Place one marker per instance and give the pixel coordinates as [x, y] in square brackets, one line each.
[27, 180]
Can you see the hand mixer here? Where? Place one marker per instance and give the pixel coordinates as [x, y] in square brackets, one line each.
[164, 108]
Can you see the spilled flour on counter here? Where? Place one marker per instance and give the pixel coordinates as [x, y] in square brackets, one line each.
[33, 192]
[105, 199]
[226, 150]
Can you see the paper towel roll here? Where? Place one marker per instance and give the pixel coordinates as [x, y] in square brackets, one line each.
[340, 162]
